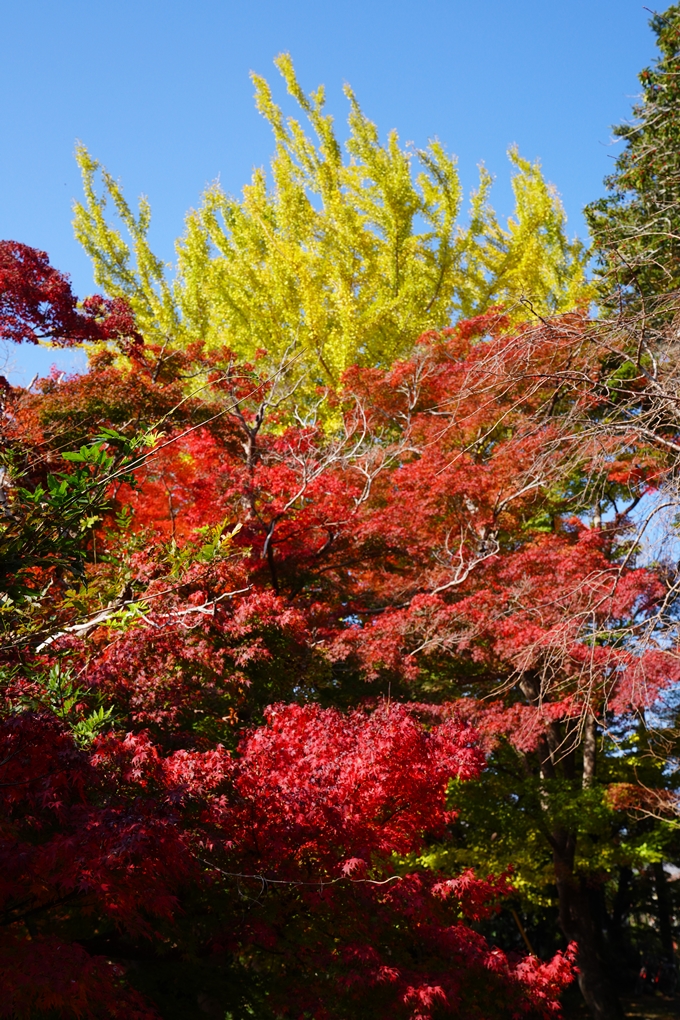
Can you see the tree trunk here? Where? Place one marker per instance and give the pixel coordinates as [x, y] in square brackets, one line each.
[589, 750]
[578, 920]
[663, 907]
[579, 924]
[620, 944]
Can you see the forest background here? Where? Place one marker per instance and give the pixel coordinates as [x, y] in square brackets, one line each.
[340, 591]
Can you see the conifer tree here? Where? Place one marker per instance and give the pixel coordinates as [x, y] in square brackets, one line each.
[636, 225]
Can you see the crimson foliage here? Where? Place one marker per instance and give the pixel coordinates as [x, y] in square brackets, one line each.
[232, 743]
[37, 304]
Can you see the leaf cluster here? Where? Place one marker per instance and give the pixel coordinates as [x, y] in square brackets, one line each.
[340, 257]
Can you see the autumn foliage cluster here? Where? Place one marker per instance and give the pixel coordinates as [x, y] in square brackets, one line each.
[243, 687]
[334, 682]
[211, 764]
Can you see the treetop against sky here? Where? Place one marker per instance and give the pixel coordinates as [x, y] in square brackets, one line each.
[173, 110]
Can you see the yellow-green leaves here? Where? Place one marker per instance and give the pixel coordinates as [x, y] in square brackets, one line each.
[343, 256]
[531, 259]
[141, 281]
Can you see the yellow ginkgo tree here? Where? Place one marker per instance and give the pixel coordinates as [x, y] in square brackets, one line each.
[345, 254]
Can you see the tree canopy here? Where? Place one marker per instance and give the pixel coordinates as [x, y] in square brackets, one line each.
[200, 772]
[337, 675]
[344, 257]
[270, 671]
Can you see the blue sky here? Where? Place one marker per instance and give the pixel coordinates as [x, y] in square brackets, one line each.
[160, 93]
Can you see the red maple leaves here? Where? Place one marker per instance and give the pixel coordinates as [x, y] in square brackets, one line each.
[312, 799]
[290, 696]
[37, 304]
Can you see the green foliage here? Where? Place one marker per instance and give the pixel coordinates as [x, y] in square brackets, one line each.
[346, 258]
[212, 541]
[47, 526]
[636, 226]
[57, 692]
[507, 818]
[44, 525]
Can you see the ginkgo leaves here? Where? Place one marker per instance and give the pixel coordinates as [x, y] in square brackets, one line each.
[346, 256]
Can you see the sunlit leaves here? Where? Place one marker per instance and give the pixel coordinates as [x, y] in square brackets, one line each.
[343, 258]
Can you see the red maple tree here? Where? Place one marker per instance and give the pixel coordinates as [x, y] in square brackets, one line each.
[294, 623]
[37, 304]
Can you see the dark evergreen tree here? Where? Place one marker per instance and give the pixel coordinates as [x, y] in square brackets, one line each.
[636, 225]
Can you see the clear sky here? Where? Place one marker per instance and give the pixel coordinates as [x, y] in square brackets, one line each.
[160, 93]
